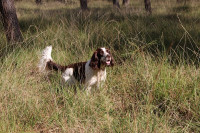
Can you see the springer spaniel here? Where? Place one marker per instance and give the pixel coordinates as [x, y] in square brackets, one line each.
[91, 73]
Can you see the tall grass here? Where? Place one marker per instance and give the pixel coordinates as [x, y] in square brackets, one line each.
[154, 86]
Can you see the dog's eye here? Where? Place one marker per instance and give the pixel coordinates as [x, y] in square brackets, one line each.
[108, 51]
[101, 52]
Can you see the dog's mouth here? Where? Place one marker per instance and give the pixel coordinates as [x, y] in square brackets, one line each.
[108, 62]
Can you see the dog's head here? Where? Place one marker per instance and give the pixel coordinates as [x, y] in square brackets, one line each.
[101, 59]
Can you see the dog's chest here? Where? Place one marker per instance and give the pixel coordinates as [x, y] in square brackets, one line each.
[95, 78]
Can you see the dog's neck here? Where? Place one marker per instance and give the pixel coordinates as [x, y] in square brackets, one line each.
[101, 69]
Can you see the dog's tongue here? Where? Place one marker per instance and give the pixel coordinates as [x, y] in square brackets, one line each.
[108, 62]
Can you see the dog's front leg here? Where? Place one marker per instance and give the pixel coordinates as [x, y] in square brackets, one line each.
[88, 89]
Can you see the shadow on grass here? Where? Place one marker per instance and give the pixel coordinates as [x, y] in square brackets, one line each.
[124, 26]
[183, 8]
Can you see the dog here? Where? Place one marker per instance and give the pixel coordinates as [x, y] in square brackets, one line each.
[91, 73]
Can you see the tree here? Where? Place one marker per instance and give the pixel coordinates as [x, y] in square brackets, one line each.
[147, 4]
[10, 21]
[83, 4]
[116, 3]
[125, 2]
[38, 1]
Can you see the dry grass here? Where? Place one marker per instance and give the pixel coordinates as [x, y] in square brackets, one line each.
[154, 86]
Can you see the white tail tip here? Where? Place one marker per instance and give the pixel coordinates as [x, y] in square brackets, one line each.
[46, 56]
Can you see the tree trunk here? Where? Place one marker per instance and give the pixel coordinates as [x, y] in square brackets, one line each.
[38, 1]
[125, 2]
[116, 3]
[10, 21]
[148, 6]
[185, 2]
[83, 4]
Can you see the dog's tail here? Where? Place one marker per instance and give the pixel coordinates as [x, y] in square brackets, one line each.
[46, 57]
[46, 62]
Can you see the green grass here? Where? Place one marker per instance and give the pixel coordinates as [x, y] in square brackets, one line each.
[154, 86]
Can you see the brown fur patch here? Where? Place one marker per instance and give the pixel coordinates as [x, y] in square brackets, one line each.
[56, 67]
[78, 69]
[95, 60]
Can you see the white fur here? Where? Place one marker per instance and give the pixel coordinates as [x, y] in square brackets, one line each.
[68, 76]
[46, 56]
[104, 52]
[93, 78]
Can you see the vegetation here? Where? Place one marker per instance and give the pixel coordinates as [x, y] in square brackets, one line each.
[154, 87]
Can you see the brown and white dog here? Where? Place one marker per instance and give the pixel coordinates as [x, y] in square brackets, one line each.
[91, 73]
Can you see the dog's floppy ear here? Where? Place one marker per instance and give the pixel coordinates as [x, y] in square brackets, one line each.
[112, 62]
[94, 63]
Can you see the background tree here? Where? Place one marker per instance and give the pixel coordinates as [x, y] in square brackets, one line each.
[125, 2]
[10, 21]
[83, 4]
[147, 4]
[38, 1]
[116, 3]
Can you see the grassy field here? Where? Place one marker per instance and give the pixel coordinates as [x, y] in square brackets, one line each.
[154, 86]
